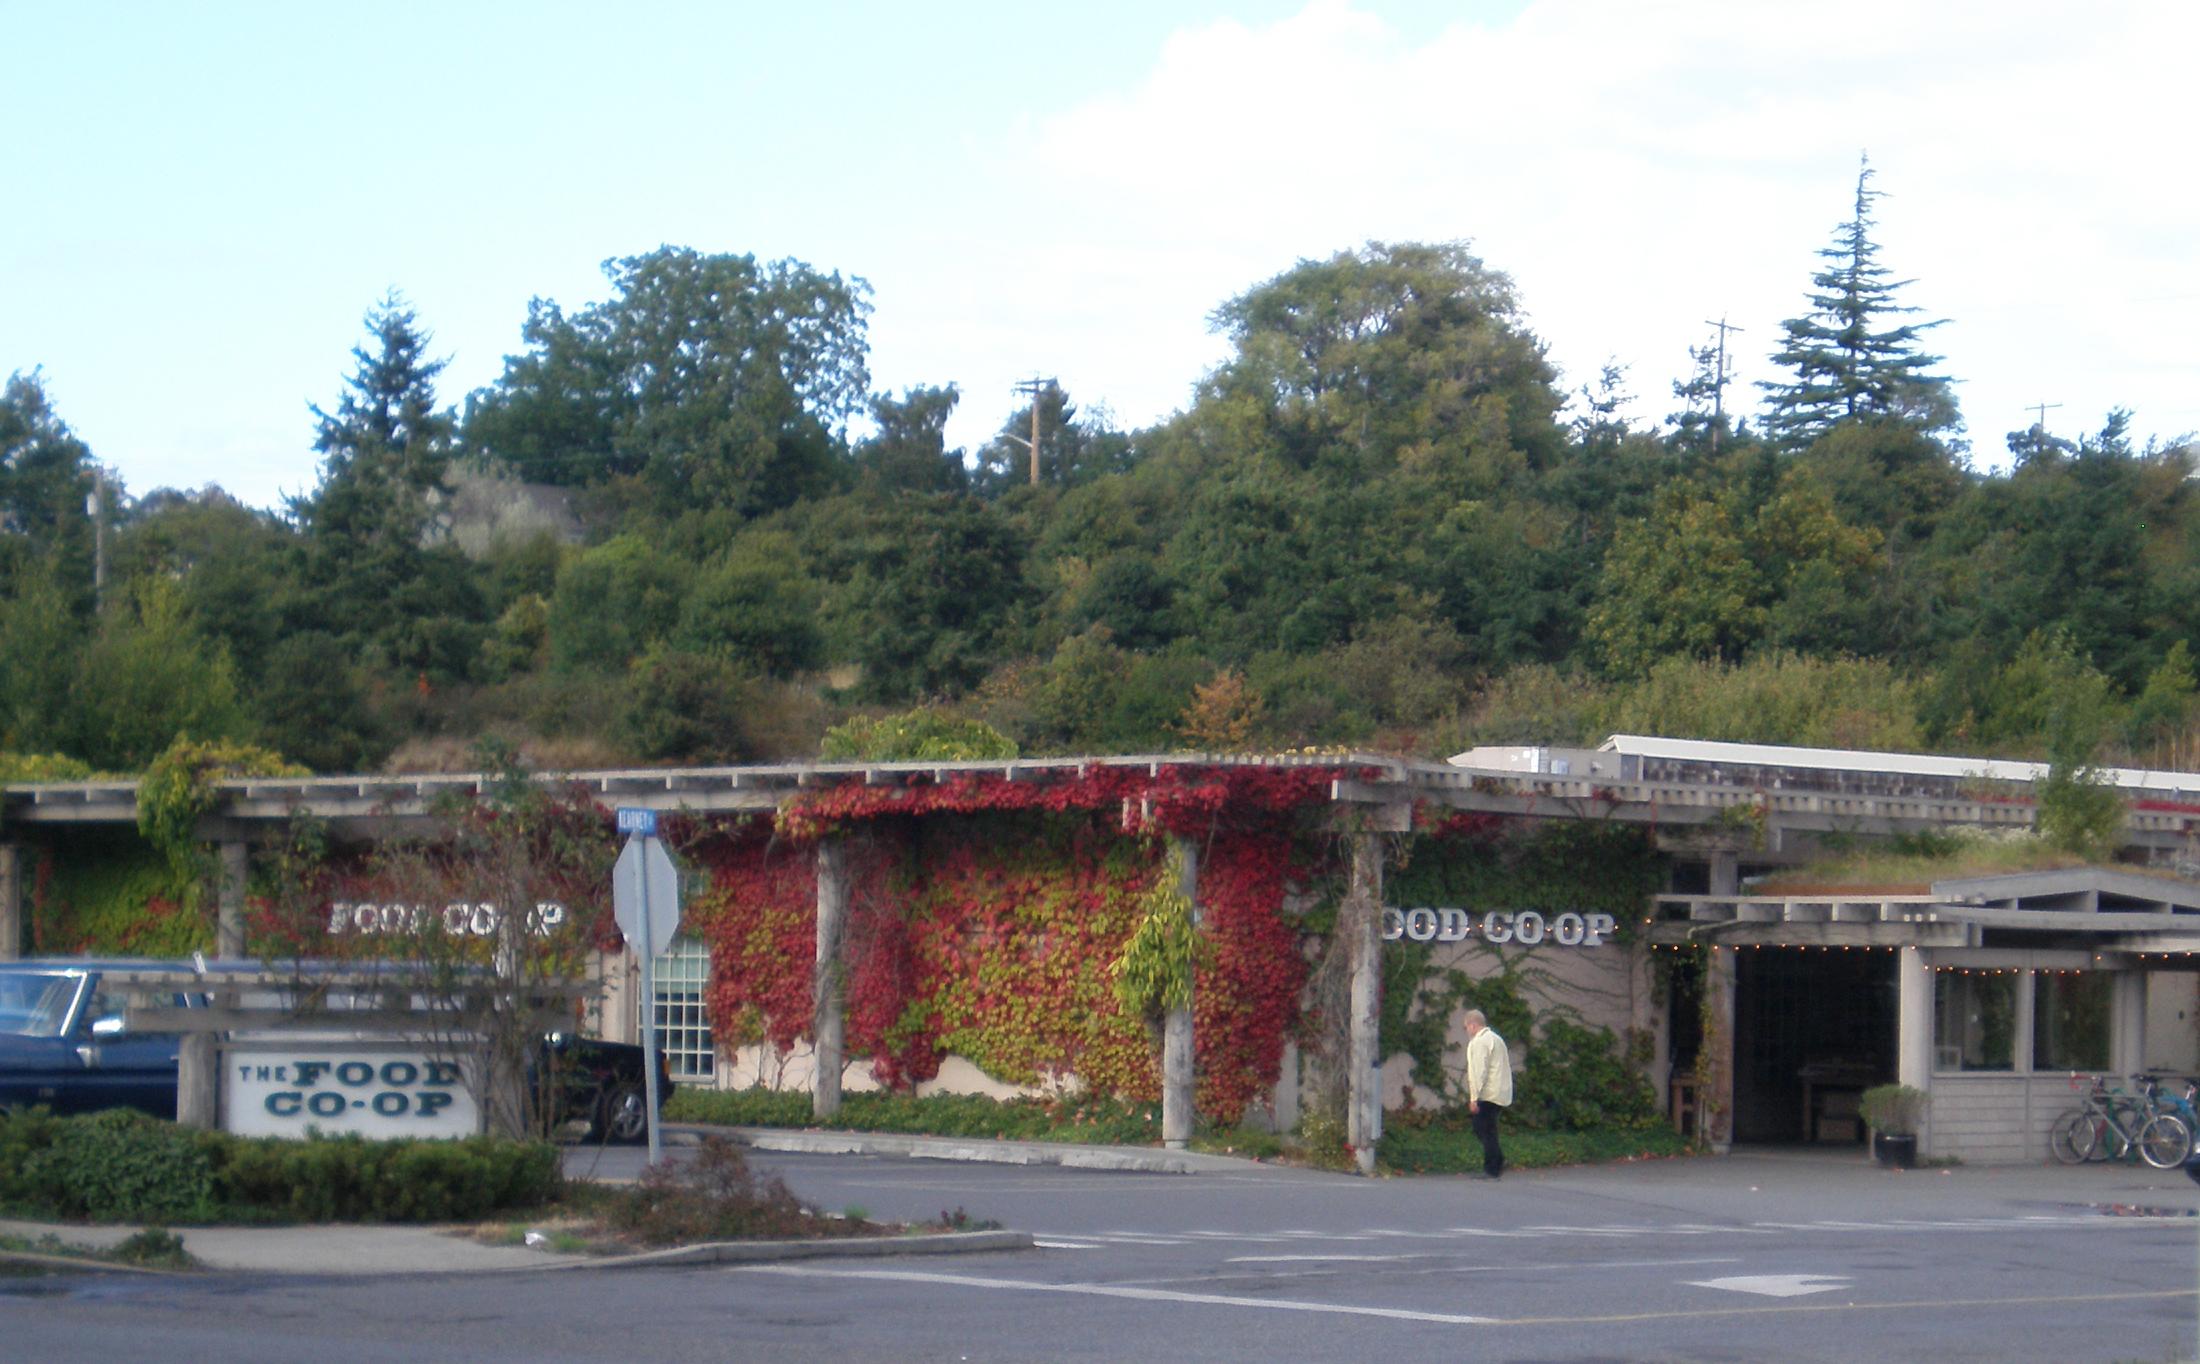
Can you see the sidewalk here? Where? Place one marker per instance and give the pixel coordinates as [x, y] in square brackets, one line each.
[817, 1141]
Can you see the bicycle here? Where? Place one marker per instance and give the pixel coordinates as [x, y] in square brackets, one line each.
[2176, 1100]
[2112, 1125]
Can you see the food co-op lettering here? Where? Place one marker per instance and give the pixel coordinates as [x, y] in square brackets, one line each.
[328, 1089]
[1523, 928]
[464, 918]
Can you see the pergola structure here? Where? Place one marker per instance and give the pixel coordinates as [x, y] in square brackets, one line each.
[1373, 796]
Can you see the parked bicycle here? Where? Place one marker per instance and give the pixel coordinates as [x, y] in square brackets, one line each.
[2175, 1097]
[2111, 1124]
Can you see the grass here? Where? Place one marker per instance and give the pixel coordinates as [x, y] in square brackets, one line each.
[1433, 1146]
[1440, 1148]
[1911, 866]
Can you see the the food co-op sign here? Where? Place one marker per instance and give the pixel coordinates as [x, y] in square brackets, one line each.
[1522, 927]
[463, 918]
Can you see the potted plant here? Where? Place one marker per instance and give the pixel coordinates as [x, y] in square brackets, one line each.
[1893, 1113]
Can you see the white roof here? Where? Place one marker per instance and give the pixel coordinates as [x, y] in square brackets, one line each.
[1856, 760]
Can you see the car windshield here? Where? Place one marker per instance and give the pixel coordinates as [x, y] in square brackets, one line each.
[35, 1005]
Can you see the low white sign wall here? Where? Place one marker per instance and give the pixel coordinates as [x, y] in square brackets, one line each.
[277, 1088]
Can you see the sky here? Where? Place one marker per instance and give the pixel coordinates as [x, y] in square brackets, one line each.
[206, 199]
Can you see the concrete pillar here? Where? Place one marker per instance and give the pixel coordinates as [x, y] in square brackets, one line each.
[1360, 920]
[1913, 1032]
[1179, 1081]
[829, 1021]
[1717, 1061]
[198, 1081]
[1286, 1099]
[229, 928]
[11, 901]
[1726, 872]
[2128, 1021]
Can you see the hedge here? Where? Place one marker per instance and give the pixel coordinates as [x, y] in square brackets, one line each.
[123, 1166]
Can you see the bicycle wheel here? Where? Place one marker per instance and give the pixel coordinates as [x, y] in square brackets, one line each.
[2165, 1141]
[2103, 1139]
[2072, 1138]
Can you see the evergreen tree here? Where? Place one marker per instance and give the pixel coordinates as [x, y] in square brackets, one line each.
[45, 477]
[386, 446]
[368, 577]
[1848, 364]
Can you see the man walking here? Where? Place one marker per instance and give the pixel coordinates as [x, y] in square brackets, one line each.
[1489, 1087]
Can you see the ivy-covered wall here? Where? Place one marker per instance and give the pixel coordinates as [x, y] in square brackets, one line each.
[1545, 1000]
[995, 933]
[107, 892]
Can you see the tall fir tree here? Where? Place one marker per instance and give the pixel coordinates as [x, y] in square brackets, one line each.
[1848, 363]
[385, 447]
[370, 579]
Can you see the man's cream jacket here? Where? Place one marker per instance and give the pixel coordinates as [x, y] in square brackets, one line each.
[1489, 1069]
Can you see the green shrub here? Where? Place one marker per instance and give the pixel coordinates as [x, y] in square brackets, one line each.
[1577, 1080]
[155, 1248]
[1079, 1118]
[352, 1179]
[25, 1133]
[124, 1166]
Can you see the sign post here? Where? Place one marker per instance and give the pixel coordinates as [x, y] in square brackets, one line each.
[645, 899]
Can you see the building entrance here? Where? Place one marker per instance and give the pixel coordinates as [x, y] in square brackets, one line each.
[1813, 1028]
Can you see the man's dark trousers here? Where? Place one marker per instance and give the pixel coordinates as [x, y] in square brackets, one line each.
[1485, 1127]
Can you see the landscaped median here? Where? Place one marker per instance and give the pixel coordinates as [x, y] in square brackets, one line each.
[124, 1167]
[1431, 1142]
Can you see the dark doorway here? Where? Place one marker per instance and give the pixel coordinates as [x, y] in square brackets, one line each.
[1813, 1028]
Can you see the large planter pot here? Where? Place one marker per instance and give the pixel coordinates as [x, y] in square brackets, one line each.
[1895, 1150]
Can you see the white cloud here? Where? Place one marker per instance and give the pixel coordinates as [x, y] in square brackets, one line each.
[1638, 169]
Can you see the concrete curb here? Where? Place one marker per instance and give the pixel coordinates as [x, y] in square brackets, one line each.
[752, 1252]
[84, 1264]
[1066, 1154]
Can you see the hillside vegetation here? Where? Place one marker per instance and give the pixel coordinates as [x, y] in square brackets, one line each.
[1383, 521]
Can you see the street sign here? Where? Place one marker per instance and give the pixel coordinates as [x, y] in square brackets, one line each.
[645, 899]
[645, 883]
[634, 820]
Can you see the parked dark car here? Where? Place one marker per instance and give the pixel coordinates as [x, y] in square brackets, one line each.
[599, 1089]
[64, 1044]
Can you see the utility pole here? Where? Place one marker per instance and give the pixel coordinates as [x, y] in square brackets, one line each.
[95, 506]
[1718, 383]
[1033, 386]
[2039, 426]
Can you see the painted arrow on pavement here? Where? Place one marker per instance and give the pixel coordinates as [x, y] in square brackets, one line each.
[1774, 1285]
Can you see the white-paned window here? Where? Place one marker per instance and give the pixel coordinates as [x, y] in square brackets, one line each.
[683, 1023]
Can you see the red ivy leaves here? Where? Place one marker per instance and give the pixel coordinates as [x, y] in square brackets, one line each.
[975, 936]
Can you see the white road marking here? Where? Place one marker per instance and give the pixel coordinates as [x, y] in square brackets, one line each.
[1485, 1269]
[1614, 1231]
[1117, 1291]
[1064, 1245]
[1775, 1285]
